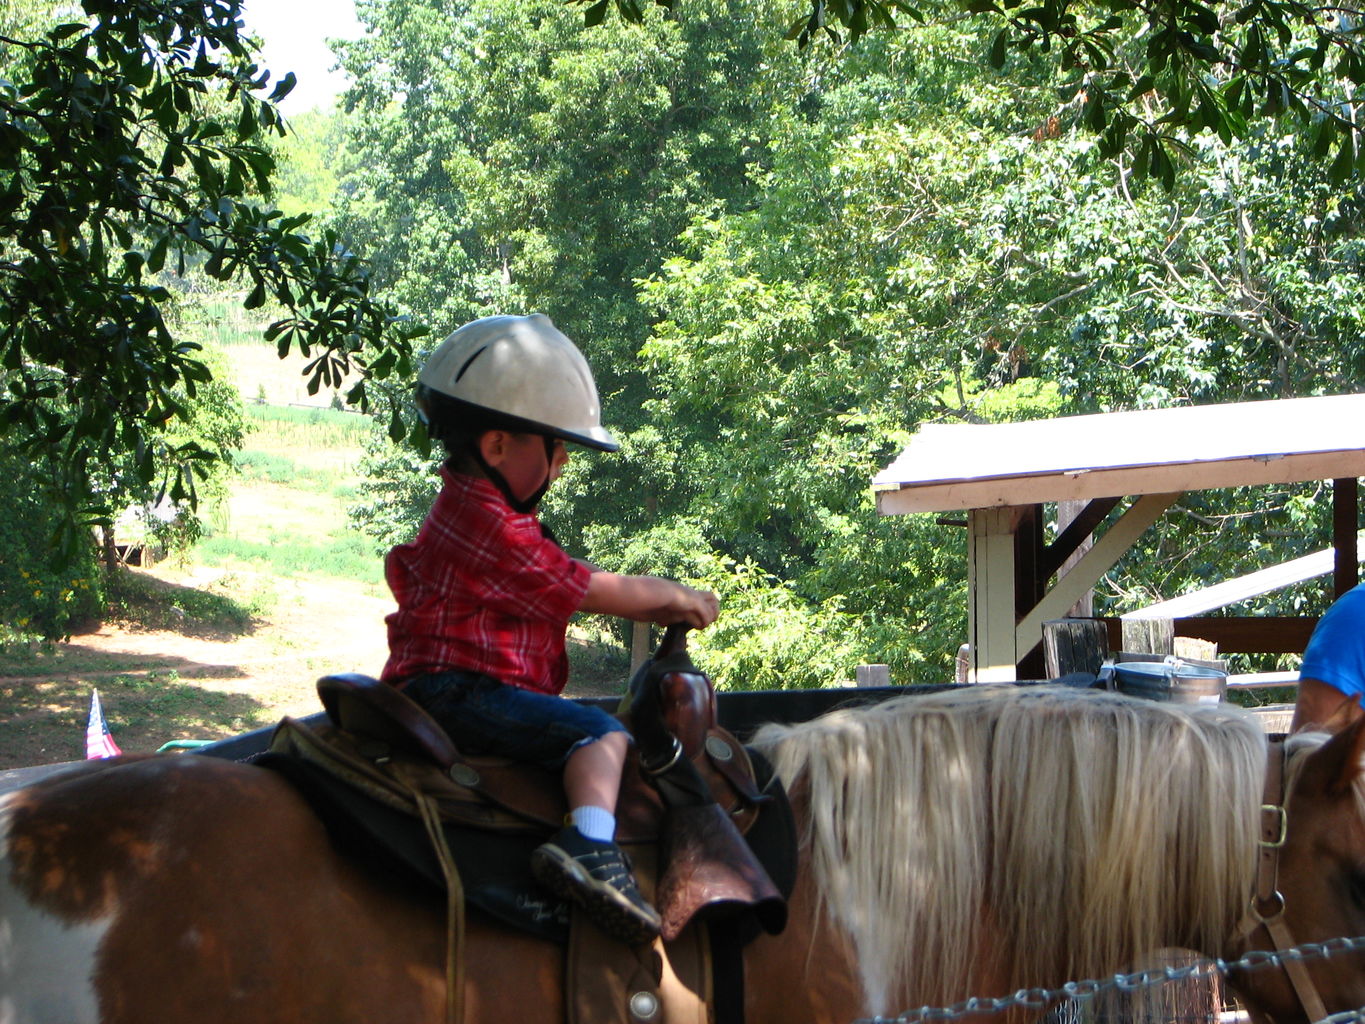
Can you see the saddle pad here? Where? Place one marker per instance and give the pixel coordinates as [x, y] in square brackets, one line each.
[499, 793]
[494, 866]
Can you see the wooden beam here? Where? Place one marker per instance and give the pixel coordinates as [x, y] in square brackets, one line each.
[951, 495]
[1093, 564]
[1256, 634]
[1075, 534]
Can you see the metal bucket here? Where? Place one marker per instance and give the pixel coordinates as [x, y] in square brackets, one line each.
[1171, 680]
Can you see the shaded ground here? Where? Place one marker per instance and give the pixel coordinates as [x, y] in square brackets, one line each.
[189, 680]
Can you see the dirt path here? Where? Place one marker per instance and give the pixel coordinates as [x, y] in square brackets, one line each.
[315, 627]
[162, 685]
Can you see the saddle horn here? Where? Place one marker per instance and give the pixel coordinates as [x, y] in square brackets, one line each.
[674, 641]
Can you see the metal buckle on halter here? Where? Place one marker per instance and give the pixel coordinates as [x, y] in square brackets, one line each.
[1280, 826]
[1273, 908]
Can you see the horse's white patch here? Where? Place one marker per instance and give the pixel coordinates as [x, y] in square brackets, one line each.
[47, 966]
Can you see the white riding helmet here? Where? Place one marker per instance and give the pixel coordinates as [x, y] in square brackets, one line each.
[517, 372]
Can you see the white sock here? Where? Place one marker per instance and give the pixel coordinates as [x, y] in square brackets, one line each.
[595, 823]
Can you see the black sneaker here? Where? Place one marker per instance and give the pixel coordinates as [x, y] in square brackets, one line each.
[596, 877]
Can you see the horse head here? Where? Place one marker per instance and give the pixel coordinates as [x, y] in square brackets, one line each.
[1311, 882]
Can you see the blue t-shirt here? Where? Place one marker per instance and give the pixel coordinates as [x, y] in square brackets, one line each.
[1336, 651]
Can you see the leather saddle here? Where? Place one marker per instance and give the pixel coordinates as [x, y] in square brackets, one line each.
[686, 802]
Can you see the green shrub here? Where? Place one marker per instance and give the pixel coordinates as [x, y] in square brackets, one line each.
[277, 469]
[43, 592]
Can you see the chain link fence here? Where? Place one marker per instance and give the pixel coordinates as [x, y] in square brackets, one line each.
[1075, 997]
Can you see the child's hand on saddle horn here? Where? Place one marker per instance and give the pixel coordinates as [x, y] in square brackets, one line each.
[698, 608]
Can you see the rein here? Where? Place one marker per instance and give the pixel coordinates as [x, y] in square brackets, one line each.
[1266, 908]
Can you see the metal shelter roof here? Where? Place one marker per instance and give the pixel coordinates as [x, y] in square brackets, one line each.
[964, 466]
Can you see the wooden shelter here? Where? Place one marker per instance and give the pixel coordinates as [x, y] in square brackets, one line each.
[1126, 468]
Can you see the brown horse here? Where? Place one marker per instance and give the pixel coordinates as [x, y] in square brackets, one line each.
[954, 845]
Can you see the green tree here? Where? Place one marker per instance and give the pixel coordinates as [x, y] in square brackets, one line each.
[501, 167]
[43, 591]
[1145, 75]
[308, 158]
[213, 421]
[908, 236]
[915, 257]
[131, 150]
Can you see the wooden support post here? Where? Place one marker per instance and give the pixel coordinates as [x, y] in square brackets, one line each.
[1074, 645]
[873, 675]
[639, 646]
[1345, 527]
[1149, 636]
[1030, 582]
[991, 593]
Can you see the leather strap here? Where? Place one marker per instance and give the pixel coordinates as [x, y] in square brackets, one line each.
[1267, 902]
[1299, 977]
[431, 819]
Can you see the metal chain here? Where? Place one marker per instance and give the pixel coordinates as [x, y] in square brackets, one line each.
[1041, 999]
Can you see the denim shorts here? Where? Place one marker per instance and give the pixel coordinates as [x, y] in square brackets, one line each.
[488, 718]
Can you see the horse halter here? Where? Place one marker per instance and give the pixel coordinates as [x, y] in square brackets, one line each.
[1267, 902]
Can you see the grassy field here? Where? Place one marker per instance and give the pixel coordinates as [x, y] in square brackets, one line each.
[286, 513]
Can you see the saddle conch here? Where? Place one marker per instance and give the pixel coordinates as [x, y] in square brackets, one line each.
[706, 867]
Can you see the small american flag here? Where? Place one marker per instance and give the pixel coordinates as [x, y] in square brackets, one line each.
[98, 742]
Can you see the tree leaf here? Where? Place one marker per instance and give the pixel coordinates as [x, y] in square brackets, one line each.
[997, 54]
[595, 13]
[284, 87]
[1343, 166]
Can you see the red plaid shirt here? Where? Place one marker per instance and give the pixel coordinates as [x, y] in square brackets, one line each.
[483, 590]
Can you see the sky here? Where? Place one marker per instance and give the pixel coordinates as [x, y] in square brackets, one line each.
[294, 33]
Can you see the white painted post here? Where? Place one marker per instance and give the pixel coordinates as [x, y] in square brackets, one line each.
[990, 594]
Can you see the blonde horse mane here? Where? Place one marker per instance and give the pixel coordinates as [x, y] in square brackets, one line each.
[1023, 835]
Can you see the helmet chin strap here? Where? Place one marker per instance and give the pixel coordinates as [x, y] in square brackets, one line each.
[531, 502]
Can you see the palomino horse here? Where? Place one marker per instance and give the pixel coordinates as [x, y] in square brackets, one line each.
[961, 844]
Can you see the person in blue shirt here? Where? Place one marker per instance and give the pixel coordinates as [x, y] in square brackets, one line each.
[1332, 677]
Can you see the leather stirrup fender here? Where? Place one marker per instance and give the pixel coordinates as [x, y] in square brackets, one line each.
[710, 871]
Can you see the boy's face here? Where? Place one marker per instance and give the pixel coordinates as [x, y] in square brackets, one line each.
[523, 460]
